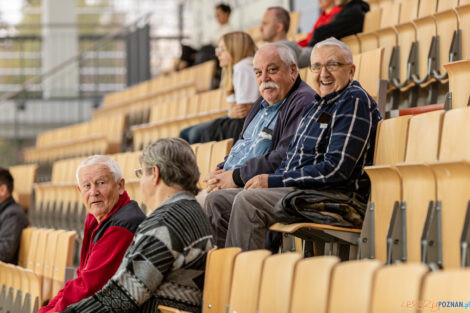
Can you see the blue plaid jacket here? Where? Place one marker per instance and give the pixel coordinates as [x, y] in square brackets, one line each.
[334, 141]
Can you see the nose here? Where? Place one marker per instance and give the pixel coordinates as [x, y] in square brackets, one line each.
[94, 190]
[265, 76]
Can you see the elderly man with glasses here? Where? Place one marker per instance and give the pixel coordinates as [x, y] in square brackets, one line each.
[165, 263]
[333, 142]
[109, 229]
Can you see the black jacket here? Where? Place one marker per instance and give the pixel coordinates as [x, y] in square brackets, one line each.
[12, 221]
[347, 22]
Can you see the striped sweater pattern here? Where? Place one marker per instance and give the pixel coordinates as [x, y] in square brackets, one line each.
[164, 264]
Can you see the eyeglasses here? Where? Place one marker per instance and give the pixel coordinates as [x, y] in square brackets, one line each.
[139, 172]
[330, 66]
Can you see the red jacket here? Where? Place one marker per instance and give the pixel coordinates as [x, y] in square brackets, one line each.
[103, 248]
[322, 20]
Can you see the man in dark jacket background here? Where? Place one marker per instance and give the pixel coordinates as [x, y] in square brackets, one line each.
[347, 22]
[12, 220]
[267, 132]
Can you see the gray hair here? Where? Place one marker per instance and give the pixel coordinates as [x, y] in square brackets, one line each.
[175, 160]
[332, 41]
[101, 159]
[285, 52]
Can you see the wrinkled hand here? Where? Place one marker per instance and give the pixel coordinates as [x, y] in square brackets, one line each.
[211, 179]
[221, 180]
[239, 110]
[259, 181]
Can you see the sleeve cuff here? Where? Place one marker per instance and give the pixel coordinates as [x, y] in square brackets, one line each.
[275, 181]
[237, 178]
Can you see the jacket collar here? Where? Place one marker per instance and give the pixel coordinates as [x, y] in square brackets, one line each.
[7, 202]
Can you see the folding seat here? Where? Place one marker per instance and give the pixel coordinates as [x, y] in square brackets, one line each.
[459, 73]
[40, 256]
[276, 280]
[34, 292]
[357, 62]
[372, 20]
[450, 221]
[351, 286]
[303, 73]
[220, 150]
[353, 42]
[442, 287]
[246, 281]
[31, 258]
[311, 284]
[385, 183]
[463, 12]
[203, 159]
[217, 281]
[25, 244]
[447, 38]
[369, 71]
[394, 285]
[63, 260]
[49, 258]
[419, 187]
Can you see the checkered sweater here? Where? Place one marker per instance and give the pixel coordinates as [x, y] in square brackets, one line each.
[333, 142]
[164, 264]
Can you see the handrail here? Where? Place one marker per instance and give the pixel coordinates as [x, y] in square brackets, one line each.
[54, 70]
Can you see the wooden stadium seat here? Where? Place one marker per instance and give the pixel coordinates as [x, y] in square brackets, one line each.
[394, 285]
[357, 62]
[294, 24]
[390, 149]
[351, 286]
[276, 283]
[220, 150]
[387, 39]
[203, 158]
[311, 284]
[24, 177]
[447, 285]
[303, 73]
[34, 290]
[372, 20]
[40, 256]
[447, 25]
[246, 281]
[353, 42]
[25, 244]
[426, 31]
[63, 260]
[369, 41]
[418, 182]
[444, 5]
[463, 12]
[49, 258]
[459, 73]
[453, 182]
[218, 279]
[370, 71]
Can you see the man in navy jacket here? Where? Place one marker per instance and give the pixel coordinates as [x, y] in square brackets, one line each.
[267, 132]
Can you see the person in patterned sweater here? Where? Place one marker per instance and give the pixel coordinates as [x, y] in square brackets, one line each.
[165, 263]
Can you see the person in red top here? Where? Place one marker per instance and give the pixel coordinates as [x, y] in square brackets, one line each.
[328, 11]
[109, 230]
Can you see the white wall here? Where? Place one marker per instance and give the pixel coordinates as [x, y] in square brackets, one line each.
[245, 14]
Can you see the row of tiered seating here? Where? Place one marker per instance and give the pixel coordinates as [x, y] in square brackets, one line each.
[137, 100]
[20, 289]
[45, 264]
[167, 119]
[254, 281]
[99, 136]
[417, 160]
[418, 37]
[24, 177]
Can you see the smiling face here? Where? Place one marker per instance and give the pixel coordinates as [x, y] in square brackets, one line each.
[273, 76]
[100, 192]
[328, 81]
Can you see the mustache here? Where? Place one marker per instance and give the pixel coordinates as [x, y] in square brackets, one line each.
[265, 85]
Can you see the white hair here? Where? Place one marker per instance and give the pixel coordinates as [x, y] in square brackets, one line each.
[332, 41]
[285, 52]
[104, 160]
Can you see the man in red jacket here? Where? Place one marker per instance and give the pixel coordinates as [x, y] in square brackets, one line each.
[328, 11]
[109, 229]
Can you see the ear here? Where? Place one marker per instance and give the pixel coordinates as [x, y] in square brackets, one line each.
[280, 28]
[121, 184]
[155, 175]
[353, 70]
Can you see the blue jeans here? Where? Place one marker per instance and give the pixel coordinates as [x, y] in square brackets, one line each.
[192, 134]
